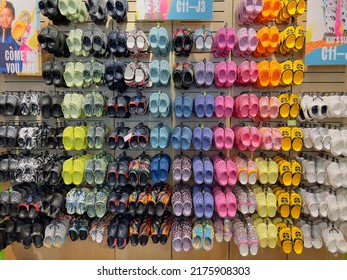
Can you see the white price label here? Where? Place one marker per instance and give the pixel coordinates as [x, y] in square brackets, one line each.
[127, 137]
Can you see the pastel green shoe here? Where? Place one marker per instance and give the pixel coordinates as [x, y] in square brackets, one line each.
[70, 41]
[63, 7]
[83, 101]
[72, 8]
[78, 74]
[77, 40]
[69, 74]
[75, 106]
[83, 12]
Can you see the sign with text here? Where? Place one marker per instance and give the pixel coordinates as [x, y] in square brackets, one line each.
[326, 35]
[174, 9]
[19, 49]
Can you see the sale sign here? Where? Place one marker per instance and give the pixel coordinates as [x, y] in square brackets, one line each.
[174, 9]
[326, 35]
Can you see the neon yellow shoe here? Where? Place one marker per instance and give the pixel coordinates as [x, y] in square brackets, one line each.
[80, 137]
[78, 169]
[67, 171]
[68, 138]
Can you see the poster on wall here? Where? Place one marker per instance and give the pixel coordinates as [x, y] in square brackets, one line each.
[326, 35]
[174, 9]
[19, 49]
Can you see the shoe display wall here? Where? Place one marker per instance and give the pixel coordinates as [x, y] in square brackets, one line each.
[174, 129]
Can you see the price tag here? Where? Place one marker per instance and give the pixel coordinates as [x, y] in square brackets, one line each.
[127, 137]
[291, 123]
